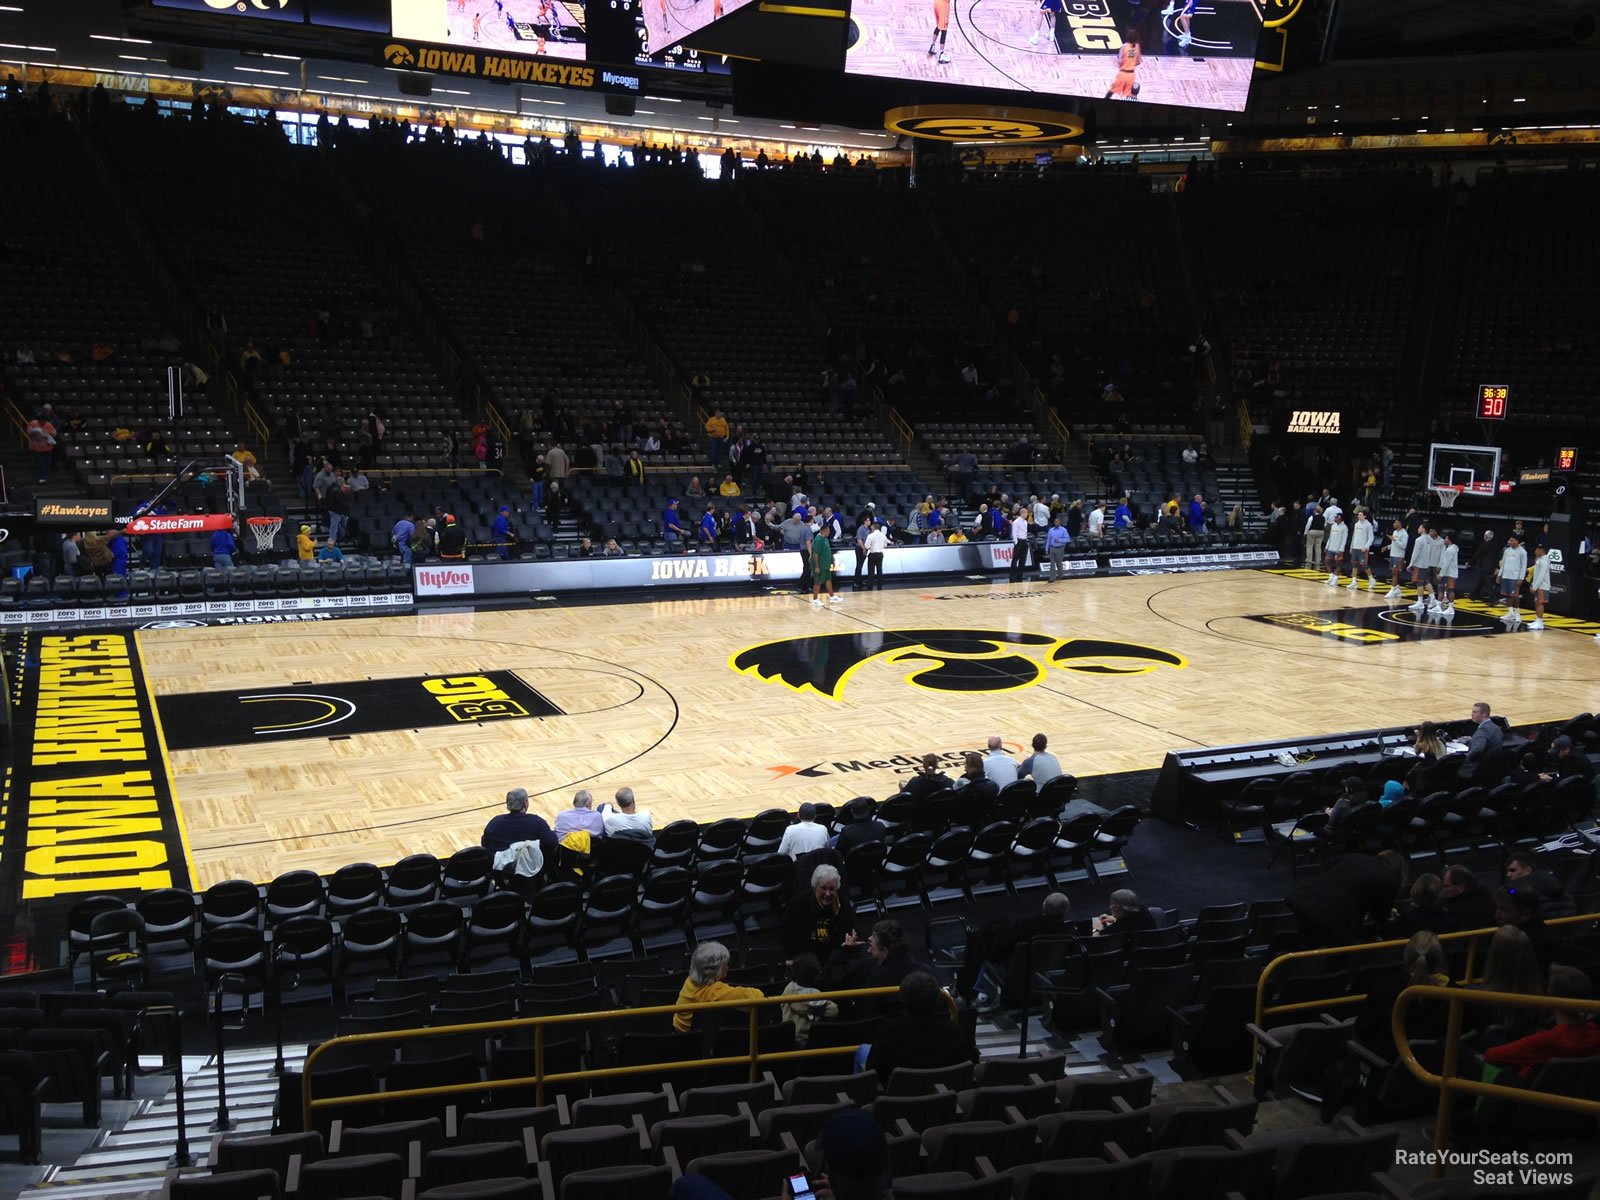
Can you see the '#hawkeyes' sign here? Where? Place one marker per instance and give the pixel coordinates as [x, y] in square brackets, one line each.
[946, 660]
[982, 123]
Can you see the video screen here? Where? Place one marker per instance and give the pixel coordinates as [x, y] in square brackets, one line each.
[290, 11]
[548, 28]
[1188, 53]
[665, 23]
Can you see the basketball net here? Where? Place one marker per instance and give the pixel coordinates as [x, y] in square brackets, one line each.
[1447, 493]
[265, 529]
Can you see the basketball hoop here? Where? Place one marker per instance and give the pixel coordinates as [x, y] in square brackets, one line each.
[1447, 493]
[265, 529]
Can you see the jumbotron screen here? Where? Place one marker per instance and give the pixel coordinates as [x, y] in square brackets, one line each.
[547, 28]
[1190, 53]
[665, 23]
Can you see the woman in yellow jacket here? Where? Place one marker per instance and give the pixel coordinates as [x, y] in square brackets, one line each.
[708, 968]
[306, 548]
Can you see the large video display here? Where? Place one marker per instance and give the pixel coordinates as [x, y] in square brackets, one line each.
[1190, 53]
[665, 23]
[548, 28]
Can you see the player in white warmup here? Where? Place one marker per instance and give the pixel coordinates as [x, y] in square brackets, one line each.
[1539, 585]
[1338, 539]
[1399, 539]
[1449, 572]
[1361, 551]
[1513, 566]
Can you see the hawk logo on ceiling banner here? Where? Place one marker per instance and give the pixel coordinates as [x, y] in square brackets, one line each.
[943, 660]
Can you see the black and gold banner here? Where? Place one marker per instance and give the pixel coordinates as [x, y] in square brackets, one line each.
[197, 720]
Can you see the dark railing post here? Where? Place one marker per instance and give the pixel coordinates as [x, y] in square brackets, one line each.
[223, 1123]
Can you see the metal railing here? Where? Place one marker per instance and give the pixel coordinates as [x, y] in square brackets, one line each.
[902, 427]
[14, 415]
[257, 426]
[1450, 1083]
[1059, 428]
[1470, 936]
[753, 1058]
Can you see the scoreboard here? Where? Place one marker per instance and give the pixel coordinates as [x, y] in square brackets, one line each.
[1566, 458]
[1492, 401]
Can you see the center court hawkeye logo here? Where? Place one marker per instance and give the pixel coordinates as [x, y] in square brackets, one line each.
[967, 661]
[1313, 420]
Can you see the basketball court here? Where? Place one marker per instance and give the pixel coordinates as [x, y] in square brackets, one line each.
[316, 744]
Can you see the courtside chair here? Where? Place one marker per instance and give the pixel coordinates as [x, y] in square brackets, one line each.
[295, 894]
[354, 887]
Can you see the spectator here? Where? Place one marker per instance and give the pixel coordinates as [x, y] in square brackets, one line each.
[708, 969]
[922, 1036]
[1335, 907]
[1197, 514]
[42, 444]
[998, 766]
[627, 820]
[1123, 518]
[1569, 760]
[451, 541]
[1519, 906]
[928, 779]
[1523, 872]
[329, 551]
[804, 836]
[816, 920]
[997, 943]
[1097, 521]
[223, 548]
[975, 784]
[1056, 541]
[500, 532]
[804, 972]
[1426, 911]
[1511, 965]
[556, 463]
[855, 1157]
[1126, 914]
[1487, 737]
[401, 535]
[1352, 797]
[861, 829]
[72, 554]
[728, 487]
[1428, 743]
[716, 437]
[1469, 903]
[1041, 765]
[580, 816]
[884, 960]
[305, 548]
[517, 824]
[671, 527]
[1573, 1035]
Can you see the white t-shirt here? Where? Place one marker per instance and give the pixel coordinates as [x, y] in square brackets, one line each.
[1541, 575]
[1513, 562]
[877, 542]
[1361, 536]
[1330, 511]
[1450, 561]
[1041, 514]
[1097, 522]
[802, 838]
[1398, 541]
[1019, 529]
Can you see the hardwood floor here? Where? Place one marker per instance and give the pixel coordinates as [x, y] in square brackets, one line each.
[724, 706]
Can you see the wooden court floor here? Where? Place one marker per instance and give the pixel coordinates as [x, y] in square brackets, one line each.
[710, 707]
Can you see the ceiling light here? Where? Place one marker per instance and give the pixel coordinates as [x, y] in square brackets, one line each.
[285, 57]
[260, 71]
[40, 49]
[9, 8]
[452, 92]
[1517, 100]
[108, 37]
[132, 58]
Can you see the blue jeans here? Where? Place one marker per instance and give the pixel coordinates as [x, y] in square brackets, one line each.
[714, 446]
[41, 464]
[405, 554]
[222, 562]
[336, 524]
[538, 495]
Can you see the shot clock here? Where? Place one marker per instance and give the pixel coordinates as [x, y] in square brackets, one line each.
[1566, 458]
[1493, 399]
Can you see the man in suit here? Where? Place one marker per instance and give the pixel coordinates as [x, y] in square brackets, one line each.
[1486, 739]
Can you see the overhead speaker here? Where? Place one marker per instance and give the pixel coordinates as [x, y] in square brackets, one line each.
[413, 84]
[619, 106]
[186, 58]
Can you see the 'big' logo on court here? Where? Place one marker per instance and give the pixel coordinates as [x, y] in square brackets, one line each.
[943, 660]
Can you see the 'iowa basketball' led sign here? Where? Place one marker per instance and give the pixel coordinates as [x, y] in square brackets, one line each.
[1493, 399]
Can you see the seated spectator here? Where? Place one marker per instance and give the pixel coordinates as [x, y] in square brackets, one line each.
[517, 824]
[1127, 914]
[1426, 910]
[1041, 765]
[627, 820]
[581, 816]
[1335, 907]
[861, 827]
[922, 1036]
[1428, 743]
[999, 943]
[816, 920]
[1469, 903]
[1569, 760]
[1520, 907]
[1524, 873]
[998, 766]
[974, 783]
[1512, 965]
[804, 836]
[1573, 1034]
[928, 778]
[708, 968]
[883, 960]
[1352, 796]
[804, 972]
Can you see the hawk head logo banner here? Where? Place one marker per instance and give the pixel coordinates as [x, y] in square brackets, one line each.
[943, 660]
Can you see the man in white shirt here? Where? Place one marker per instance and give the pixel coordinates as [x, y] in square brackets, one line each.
[1513, 566]
[1190, 454]
[1398, 540]
[804, 837]
[1425, 566]
[1331, 511]
[1097, 520]
[628, 821]
[1361, 551]
[877, 543]
[1338, 539]
[1041, 514]
[997, 765]
[1019, 544]
[1041, 766]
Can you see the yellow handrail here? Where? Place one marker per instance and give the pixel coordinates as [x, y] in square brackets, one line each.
[257, 425]
[1449, 1083]
[753, 1058]
[1059, 428]
[1246, 426]
[498, 422]
[902, 427]
[1468, 935]
[17, 419]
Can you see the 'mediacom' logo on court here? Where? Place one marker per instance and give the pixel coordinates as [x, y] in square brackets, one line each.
[943, 660]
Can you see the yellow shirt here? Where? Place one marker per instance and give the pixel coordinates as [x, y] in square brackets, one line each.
[717, 427]
[306, 547]
[729, 488]
[956, 536]
[707, 993]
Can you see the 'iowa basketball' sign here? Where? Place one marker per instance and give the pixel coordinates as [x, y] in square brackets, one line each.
[943, 660]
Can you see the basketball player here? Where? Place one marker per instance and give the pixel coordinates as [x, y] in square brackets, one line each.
[1449, 572]
[1125, 84]
[1424, 565]
[1184, 21]
[941, 29]
[1048, 10]
[1399, 539]
[477, 26]
[1361, 551]
[1338, 539]
[1513, 566]
[1539, 585]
